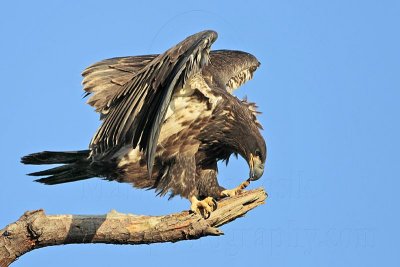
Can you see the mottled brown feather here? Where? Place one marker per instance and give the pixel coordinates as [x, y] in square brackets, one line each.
[136, 112]
[104, 79]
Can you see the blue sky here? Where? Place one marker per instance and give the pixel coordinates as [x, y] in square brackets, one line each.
[328, 88]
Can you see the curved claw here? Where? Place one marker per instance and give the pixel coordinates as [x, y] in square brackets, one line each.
[204, 207]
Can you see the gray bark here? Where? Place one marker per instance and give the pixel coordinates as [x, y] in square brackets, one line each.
[35, 229]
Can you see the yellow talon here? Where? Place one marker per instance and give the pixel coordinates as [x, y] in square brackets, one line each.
[203, 207]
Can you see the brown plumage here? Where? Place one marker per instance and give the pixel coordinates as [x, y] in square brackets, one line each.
[167, 120]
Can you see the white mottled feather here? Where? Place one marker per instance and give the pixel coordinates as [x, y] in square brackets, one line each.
[184, 107]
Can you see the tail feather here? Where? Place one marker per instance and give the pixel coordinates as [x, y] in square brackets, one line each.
[76, 166]
[54, 157]
[52, 171]
[61, 178]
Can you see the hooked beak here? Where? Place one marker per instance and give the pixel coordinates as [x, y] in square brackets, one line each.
[256, 167]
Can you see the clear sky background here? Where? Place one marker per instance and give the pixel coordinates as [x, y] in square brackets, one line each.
[328, 88]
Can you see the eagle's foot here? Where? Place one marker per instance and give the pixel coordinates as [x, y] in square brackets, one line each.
[203, 207]
[235, 191]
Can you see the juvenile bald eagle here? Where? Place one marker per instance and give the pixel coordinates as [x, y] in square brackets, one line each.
[166, 121]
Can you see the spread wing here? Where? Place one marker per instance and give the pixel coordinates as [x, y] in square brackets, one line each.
[134, 114]
[230, 69]
[227, 69]
[105, 78]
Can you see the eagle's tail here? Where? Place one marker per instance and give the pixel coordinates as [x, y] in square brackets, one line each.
[76, 166]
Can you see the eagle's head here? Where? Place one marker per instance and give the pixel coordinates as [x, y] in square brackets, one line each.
[248, 142]
[255, 153]
[251, 144]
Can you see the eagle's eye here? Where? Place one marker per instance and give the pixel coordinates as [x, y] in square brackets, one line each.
[258, 153]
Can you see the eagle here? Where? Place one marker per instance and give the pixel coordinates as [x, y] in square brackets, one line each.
[167, 120]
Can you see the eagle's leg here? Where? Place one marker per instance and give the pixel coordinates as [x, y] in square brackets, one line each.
[235, 191]
[203, 207]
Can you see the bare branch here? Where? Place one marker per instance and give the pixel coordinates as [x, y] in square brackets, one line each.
[35, 229]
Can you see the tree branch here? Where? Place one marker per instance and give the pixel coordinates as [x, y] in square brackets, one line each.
[35, 229]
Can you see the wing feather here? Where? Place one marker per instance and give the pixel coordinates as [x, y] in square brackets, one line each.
[228, 69]
[135, 113]
[103, 79]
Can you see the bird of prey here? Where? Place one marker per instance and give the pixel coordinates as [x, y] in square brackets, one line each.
[167, 120]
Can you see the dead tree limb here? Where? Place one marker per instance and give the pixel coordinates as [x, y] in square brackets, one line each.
[35, 229]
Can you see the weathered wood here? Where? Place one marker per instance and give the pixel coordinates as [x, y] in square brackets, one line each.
[35, 229]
